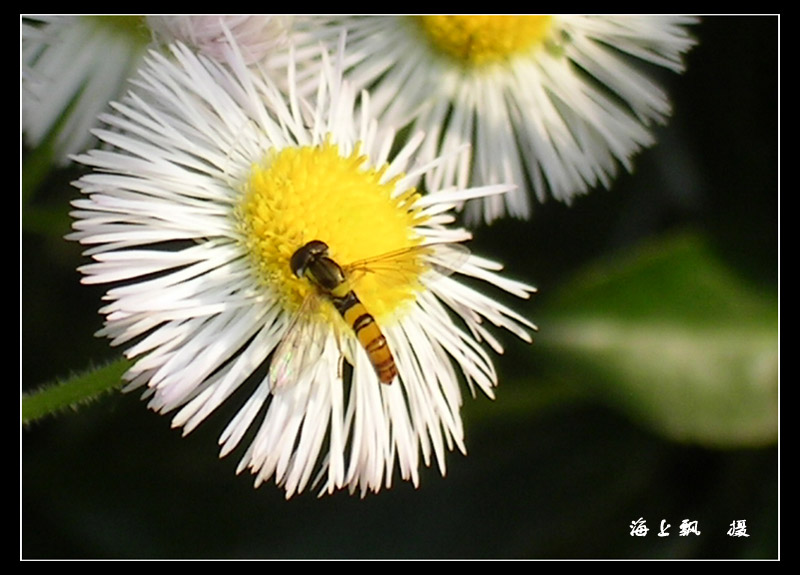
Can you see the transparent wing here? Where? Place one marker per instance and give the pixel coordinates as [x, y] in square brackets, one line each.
[300, 348]
[409, 264]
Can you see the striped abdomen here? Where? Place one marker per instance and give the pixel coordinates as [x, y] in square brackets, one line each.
[311, 261]
[368, 333]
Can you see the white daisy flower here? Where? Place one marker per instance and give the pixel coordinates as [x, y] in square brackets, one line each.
[211, 211]
[72, 66]
[552, 103]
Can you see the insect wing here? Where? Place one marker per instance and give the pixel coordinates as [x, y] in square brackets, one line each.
[411, 264]
[445, 259]
[299, 349]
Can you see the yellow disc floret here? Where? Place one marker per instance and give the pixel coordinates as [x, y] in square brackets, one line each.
[477, 40]
[314, 193]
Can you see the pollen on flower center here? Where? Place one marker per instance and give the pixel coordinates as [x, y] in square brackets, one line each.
[477, 40]
[314, 193]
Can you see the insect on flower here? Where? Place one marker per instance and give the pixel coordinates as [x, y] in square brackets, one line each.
[202, 237]
[338, 284]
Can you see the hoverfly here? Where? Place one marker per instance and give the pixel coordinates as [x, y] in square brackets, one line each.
[338, 285]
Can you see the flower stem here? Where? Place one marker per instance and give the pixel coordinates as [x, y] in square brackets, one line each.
[79, 389]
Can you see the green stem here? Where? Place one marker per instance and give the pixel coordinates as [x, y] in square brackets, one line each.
[79, 389]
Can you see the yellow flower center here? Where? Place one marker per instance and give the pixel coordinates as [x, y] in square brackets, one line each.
[315, 193]
[478, 40]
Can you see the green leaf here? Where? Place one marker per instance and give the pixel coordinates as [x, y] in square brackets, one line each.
[673, 337]
[72, 392]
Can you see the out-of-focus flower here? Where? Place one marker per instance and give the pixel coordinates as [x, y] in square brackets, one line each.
[552, 103]
[255, 36]
[72, 67]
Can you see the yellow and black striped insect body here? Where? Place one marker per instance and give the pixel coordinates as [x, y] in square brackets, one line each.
[312, 262]
[300, 347]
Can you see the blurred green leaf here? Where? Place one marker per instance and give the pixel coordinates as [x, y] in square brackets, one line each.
[36, 165]
[677, 340]
[46, 221]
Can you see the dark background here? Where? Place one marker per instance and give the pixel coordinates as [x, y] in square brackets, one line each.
[562, 479]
